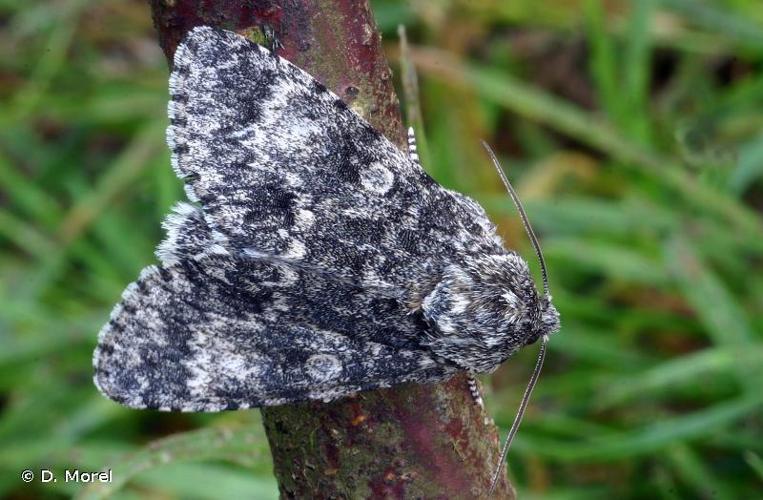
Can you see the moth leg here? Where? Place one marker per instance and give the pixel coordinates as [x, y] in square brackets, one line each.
[474, 388]
[414, 155]
[271, 38]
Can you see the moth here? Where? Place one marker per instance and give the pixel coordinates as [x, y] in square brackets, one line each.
[314, 258]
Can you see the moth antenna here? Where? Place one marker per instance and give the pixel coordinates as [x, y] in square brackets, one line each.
[522, 215]
[520, 413]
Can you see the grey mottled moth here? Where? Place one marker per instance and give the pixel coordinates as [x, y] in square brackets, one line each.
[314, 260]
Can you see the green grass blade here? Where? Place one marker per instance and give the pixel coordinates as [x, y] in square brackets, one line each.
[203, 444]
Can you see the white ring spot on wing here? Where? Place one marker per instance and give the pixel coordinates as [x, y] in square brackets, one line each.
[377, 178]
[323, 367]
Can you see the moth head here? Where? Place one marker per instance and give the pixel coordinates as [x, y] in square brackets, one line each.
[485, 309]
[549, 318]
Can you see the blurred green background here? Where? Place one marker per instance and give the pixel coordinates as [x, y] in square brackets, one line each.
[633, 132]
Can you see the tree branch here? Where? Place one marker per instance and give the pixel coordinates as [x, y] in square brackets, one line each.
[422, 441]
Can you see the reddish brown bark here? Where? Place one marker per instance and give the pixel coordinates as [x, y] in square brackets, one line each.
[412, 441]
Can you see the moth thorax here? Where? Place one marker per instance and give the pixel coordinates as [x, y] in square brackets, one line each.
[483, 309]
